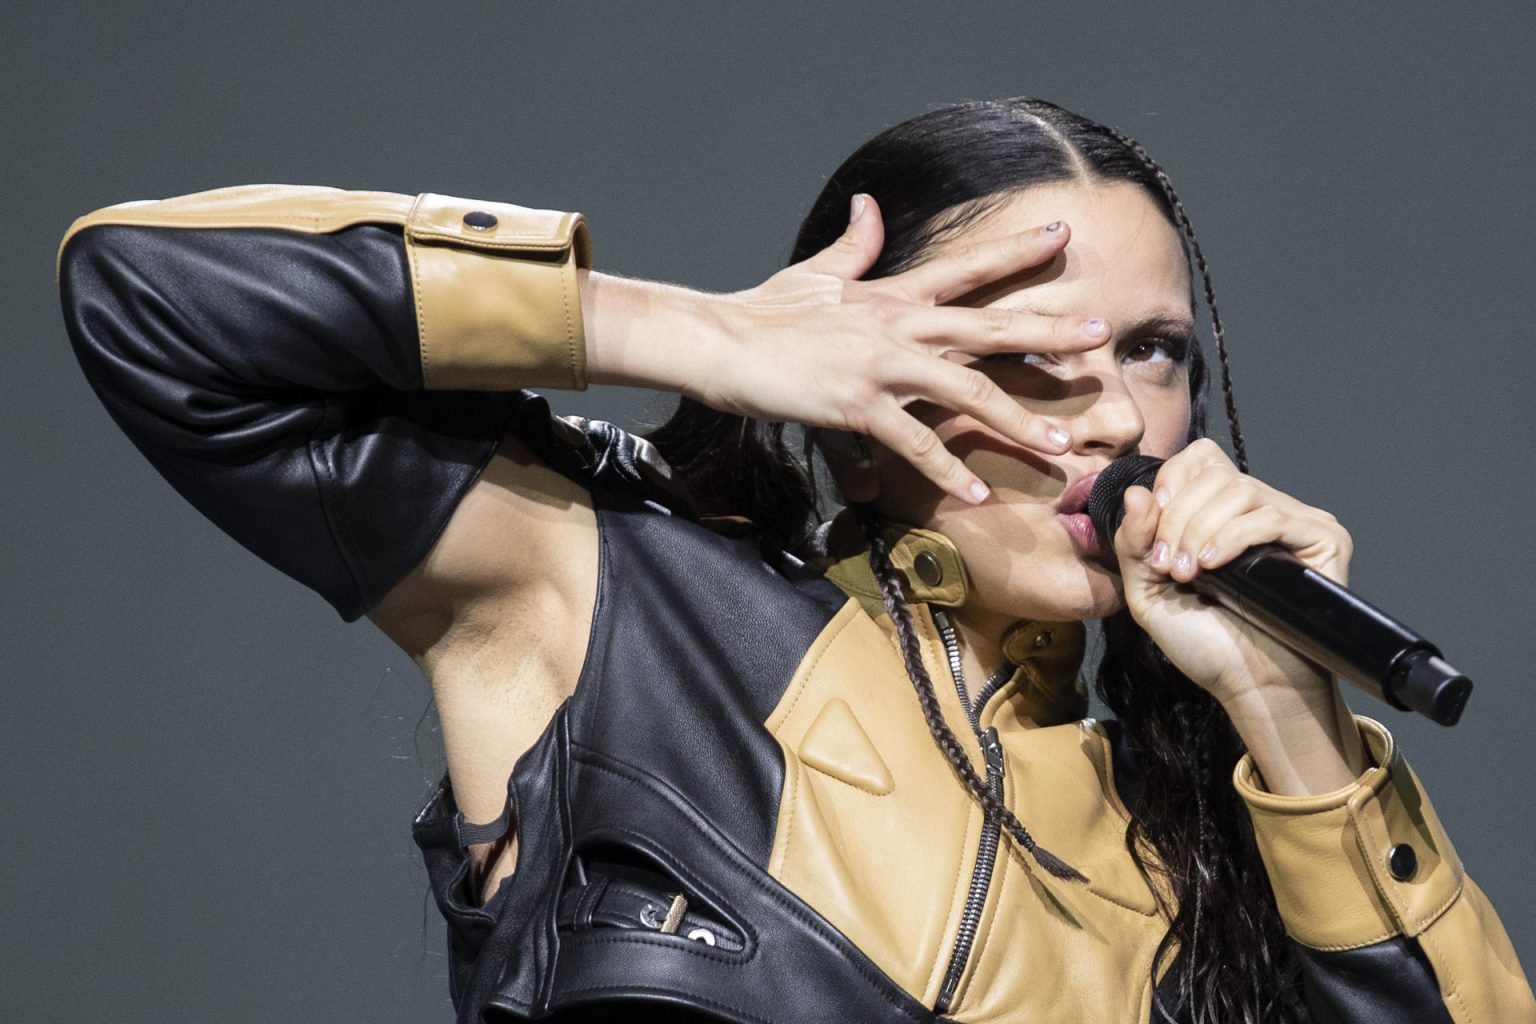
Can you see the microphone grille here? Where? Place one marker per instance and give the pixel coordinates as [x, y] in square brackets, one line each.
[1106, 502]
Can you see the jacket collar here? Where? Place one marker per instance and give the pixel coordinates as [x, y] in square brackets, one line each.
[1046, 687]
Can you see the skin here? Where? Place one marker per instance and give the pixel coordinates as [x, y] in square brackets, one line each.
[1021, 353]
[1128, 395]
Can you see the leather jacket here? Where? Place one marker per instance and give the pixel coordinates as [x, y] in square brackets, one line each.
[739, 814]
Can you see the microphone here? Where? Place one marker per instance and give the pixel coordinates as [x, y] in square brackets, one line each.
[1274, 590]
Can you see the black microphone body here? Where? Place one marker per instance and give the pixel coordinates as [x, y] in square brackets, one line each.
[1274, 590]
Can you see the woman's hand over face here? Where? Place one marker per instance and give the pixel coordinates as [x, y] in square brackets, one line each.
[1202, 513]
[815, 345]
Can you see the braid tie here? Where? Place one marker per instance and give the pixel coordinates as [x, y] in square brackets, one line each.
[1238, 445]
[911, 653]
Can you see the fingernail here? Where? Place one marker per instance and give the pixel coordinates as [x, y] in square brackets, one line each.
[859, 202]
[1208, 552]
[1053, 227]
[1163, 497]
[979, 492]
[1094, 328]
[1057, 437]
[1182, 562]
[1159, 553]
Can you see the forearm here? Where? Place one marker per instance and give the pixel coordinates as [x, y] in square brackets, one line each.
[1303, 740]
[645, 333]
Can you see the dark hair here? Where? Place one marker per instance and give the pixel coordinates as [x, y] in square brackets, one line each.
[935, 175]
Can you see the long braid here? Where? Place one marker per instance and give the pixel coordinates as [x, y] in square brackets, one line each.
[1238, 446]
[911, 653]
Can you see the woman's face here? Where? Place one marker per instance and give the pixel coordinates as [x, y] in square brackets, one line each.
[1131, 394]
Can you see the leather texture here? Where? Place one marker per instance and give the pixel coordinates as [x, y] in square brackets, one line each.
[1328, 853]
[497, 308]
[743, 732]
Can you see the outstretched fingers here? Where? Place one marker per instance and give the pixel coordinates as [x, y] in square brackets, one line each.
[992, 329]
[970, 265]
[911, 439]
[973, 393]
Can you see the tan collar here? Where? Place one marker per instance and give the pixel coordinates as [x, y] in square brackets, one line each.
[1045, 688]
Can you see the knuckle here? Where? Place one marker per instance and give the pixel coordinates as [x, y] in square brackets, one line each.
[998, 322]
[1205, 448]
[970, 258]
[923, 443]
[978, 388]
[887, 312]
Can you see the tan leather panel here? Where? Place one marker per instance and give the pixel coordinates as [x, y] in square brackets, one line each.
[1475, 964]
[1088, 947]
[890, 867]
[890, 871]
[1049, 951]
[310, 208]
[497, 309]
[837, 745]
[486, 301]
[1327, 854]
[1046, 687]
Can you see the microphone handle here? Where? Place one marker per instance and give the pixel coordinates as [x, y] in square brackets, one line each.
[1270, 587]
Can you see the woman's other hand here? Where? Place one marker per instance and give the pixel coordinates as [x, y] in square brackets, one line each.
[815, 345]
[1200, 513]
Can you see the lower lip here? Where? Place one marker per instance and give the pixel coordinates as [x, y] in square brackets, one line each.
[1080, 528]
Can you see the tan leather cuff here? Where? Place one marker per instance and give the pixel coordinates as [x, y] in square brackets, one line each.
[1334, 860]
[497, 306]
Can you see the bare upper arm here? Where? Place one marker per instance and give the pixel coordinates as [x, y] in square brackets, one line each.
[497, 616]
[523, 538]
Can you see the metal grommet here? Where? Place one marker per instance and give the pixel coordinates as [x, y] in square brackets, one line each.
[1044, 638]
[480, 220]
[649, 916]
[703, 935]
[928, 568]
[1402, 862]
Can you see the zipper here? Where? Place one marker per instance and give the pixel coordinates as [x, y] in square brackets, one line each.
[991, 829]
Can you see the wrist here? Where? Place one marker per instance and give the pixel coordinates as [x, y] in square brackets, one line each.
[642, 333]
[1303, 741]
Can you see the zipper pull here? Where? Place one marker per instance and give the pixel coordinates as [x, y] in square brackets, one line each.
[992, 748]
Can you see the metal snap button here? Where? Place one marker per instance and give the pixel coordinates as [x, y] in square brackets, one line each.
[1044, 638]
[1402, 862]
[480, 220]
[928, 568]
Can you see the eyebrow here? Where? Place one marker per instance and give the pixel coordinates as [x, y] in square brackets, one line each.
[1146, 325]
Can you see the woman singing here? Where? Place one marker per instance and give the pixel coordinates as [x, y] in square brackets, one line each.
[715, 755]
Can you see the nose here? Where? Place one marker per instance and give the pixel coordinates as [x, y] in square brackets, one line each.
[1111, 424]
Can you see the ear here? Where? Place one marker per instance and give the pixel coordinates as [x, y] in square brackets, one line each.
[855, 466]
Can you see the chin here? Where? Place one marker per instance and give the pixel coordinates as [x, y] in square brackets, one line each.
[1067, 588]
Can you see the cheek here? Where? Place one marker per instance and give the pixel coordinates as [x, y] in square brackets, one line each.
[1166, 413]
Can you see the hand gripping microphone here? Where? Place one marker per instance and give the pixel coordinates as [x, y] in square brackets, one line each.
[1305, 610]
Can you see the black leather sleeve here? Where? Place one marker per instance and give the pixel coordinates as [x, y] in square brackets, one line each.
[273, 377]
[1382, 983]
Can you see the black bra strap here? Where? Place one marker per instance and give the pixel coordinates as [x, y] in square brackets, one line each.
[469, 834]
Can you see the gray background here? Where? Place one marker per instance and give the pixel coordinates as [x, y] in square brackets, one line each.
[208, 777]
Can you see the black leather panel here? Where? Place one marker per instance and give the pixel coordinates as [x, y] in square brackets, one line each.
[660, 756]
[694, 642]
[1383, 983]
[273, 378]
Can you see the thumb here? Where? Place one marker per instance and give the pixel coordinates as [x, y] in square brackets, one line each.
[856, 250]
[1139, 527]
